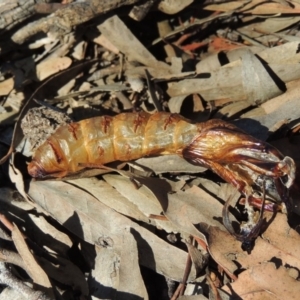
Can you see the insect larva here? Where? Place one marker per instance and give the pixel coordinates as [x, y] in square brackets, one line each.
[216, 144]
[104, 139]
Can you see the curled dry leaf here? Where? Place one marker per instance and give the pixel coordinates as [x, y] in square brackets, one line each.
[275, 25]
[237, 81]
[257, 7]
[213, 61]
[245, 79]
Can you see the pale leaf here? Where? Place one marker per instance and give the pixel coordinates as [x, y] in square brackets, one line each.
[37, 274]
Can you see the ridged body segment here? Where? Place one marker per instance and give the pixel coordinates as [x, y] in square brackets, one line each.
[104, 139]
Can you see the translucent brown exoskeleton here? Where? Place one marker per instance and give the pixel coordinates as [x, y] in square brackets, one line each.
[237, 157]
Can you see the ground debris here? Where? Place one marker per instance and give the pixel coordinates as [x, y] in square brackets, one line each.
[150, 228]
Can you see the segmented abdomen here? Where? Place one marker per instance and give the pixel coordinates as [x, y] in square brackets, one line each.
[101, 140]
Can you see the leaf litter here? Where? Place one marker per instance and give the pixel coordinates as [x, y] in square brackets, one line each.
[130, 234]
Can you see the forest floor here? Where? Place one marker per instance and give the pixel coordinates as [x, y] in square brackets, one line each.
[187, 225]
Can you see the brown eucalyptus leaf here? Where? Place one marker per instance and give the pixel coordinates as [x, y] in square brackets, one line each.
[278, 241]
[105, 273]
[219, 84]
[227, 6]
[52, 66]
[290, 109]
[64, 271]
[285, 53]
[108, 195]
[223, 248]
[112, 275]
[168, 163]
[278, 102]
[193, 206]
[213, 61]
[273, 24]
[264, 281]
[172, 6]
[130, 269]
[143, 197]
[119, 35]
[49, 236]
[274, 8]
[252, 4]
[98, 224]
[6, 86]
[257, 82]
[183, 208]
[37, 274]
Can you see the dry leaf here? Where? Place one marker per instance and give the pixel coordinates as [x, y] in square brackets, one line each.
[143, 198]
[247, 70]
[264, 281]
[9, 293]
[103, 41]
[52, 66]
[106, 194]
[257, 82]
[278, 241]
[130, 268]
[6, 86]
[47, 235]
[37, 274]
[64, 271]
[95, 223]
[168, 163]
[172, 6]
[119, 35]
